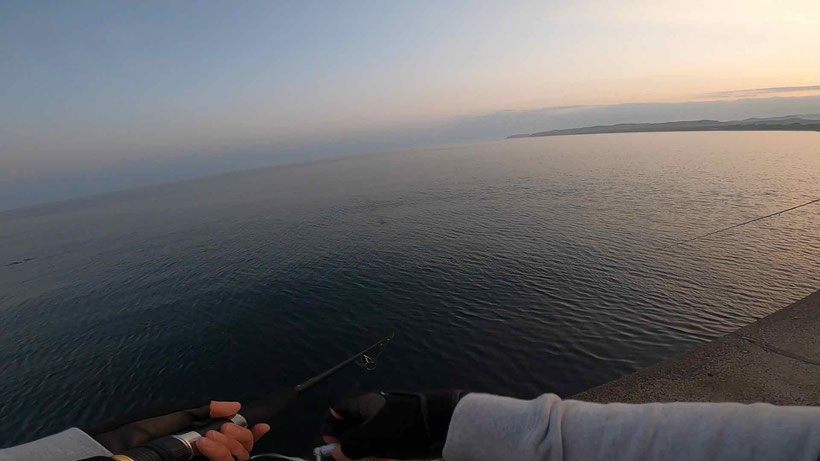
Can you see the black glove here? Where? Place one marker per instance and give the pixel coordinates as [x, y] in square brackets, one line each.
[143, 426]
[396, 425]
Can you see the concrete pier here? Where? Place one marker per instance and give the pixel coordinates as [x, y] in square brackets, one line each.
[775, 360]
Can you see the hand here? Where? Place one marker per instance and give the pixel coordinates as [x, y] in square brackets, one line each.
[232, 441]
[143, 426]
[337, 450]
[391, 425]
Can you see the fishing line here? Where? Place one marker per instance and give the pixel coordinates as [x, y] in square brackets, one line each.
[760, 218]
[367, 362]
[181, 446]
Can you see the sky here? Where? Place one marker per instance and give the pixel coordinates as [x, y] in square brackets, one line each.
[104, 95]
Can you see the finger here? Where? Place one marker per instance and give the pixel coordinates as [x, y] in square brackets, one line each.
[346, 409]
[358, 409]
[259, 430]
[223, 409]
[233, 445]
[335, 425]
[329, 439]
[212, 450]
[338, 455]
[243, 435]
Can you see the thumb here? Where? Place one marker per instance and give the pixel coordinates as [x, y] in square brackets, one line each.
[219, 409]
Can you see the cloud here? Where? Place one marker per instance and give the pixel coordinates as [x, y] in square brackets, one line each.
[750, 93]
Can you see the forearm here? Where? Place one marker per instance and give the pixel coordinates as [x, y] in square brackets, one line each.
[486, 427]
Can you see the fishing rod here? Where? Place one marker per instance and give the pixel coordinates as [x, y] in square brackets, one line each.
[733, 226]
[181, 447]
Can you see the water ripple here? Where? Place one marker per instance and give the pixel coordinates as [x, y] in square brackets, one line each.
[515, 267]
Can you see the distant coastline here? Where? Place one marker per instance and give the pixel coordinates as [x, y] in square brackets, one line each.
[787, 123]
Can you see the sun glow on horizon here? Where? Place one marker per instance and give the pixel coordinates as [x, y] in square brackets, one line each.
[109, 82]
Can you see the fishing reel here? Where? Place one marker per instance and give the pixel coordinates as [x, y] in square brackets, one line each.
[181, 446]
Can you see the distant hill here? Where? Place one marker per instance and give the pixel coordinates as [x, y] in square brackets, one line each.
[808, 122]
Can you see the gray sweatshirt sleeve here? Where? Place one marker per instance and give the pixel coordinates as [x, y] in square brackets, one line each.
[492, 428]
[69, 445]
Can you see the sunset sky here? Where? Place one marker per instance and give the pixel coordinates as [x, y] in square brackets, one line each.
[94, 83]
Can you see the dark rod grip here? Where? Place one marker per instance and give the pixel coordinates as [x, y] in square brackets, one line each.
[169, 448]
[162, 449]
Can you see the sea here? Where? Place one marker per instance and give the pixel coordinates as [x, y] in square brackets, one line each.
[515, 267]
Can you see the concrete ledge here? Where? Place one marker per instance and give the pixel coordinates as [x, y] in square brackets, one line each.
[775, 360]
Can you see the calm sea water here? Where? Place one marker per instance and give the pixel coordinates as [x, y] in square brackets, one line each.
[515, 267]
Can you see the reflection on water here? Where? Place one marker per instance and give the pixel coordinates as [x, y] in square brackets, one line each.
[516, 267]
